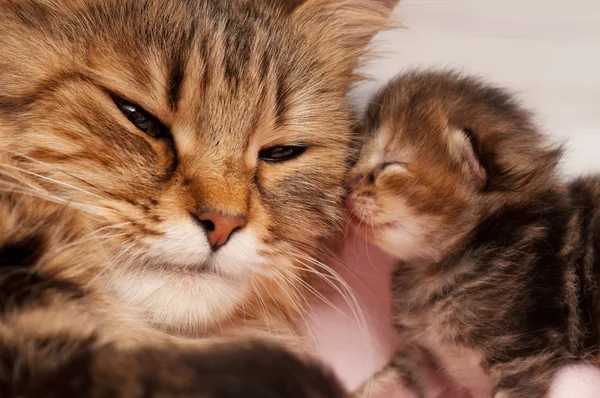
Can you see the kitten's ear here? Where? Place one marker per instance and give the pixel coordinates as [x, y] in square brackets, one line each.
[342, 28]
[464, 148]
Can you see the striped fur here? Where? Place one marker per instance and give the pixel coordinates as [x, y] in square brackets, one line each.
[109, 287]
[497, 282]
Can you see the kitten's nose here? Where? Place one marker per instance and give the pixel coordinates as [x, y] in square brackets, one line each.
[220, 227]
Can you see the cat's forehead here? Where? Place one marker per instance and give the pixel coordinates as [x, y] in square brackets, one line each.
[218, 75]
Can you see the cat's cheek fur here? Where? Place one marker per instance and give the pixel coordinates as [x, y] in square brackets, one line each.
[181, 244]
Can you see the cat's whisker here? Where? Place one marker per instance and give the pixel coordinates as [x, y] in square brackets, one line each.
[265, 311]
[58, 182]
[346, 293]
[272, 298]
[332, 257]
[53, 199]
[352, 303]
[49, 166]
[294, 301]
[331, 278]
[300, 296]
[306, 286]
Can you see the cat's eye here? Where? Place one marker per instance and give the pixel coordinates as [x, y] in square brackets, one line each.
[281, 153]
[140, 118]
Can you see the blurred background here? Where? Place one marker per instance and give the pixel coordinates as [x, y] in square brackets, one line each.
[547, 52]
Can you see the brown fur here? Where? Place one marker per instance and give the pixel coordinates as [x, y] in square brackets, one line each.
[496, 285]
[101, 240]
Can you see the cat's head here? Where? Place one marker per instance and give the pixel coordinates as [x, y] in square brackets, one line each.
[441, 150]
[206, 142]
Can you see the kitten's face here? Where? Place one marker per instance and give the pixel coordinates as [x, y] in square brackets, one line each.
[207, 144]
[440, 151]
[415, 189]
[405, 195]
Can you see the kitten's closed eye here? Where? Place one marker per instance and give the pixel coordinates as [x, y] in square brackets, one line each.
[386, 168]
[393, 167]
[140, 118]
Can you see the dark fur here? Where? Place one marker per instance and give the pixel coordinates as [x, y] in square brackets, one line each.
[518, 285]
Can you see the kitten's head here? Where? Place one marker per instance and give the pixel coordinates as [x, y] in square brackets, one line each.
[441, 151]
[206, 142]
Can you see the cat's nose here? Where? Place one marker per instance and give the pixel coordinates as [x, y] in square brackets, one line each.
[220, 227]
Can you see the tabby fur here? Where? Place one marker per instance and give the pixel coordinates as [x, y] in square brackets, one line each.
[109, 284]
[497, 279]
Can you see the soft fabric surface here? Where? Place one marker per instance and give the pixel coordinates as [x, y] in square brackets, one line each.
[548, 52]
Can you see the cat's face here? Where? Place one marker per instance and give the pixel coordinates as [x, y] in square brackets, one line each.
[206, 144]
[440, 150]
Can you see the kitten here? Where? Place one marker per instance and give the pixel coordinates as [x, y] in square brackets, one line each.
[496, 283]
[169, 173]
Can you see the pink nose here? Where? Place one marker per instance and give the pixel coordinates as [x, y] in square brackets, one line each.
[220, 227]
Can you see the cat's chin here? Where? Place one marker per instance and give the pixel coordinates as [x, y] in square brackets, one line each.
[186, 287]
[188, 300]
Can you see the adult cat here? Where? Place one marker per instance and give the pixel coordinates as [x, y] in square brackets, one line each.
[168, 171]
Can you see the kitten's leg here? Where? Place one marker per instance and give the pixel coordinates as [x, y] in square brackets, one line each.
[412, 368]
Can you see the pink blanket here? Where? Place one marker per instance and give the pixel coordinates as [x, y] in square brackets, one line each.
[355, 348]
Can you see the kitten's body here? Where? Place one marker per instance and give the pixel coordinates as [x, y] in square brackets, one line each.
[169, 171]
[497, 285]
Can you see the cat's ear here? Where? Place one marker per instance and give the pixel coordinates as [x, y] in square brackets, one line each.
[464, 148]
[342, 29]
